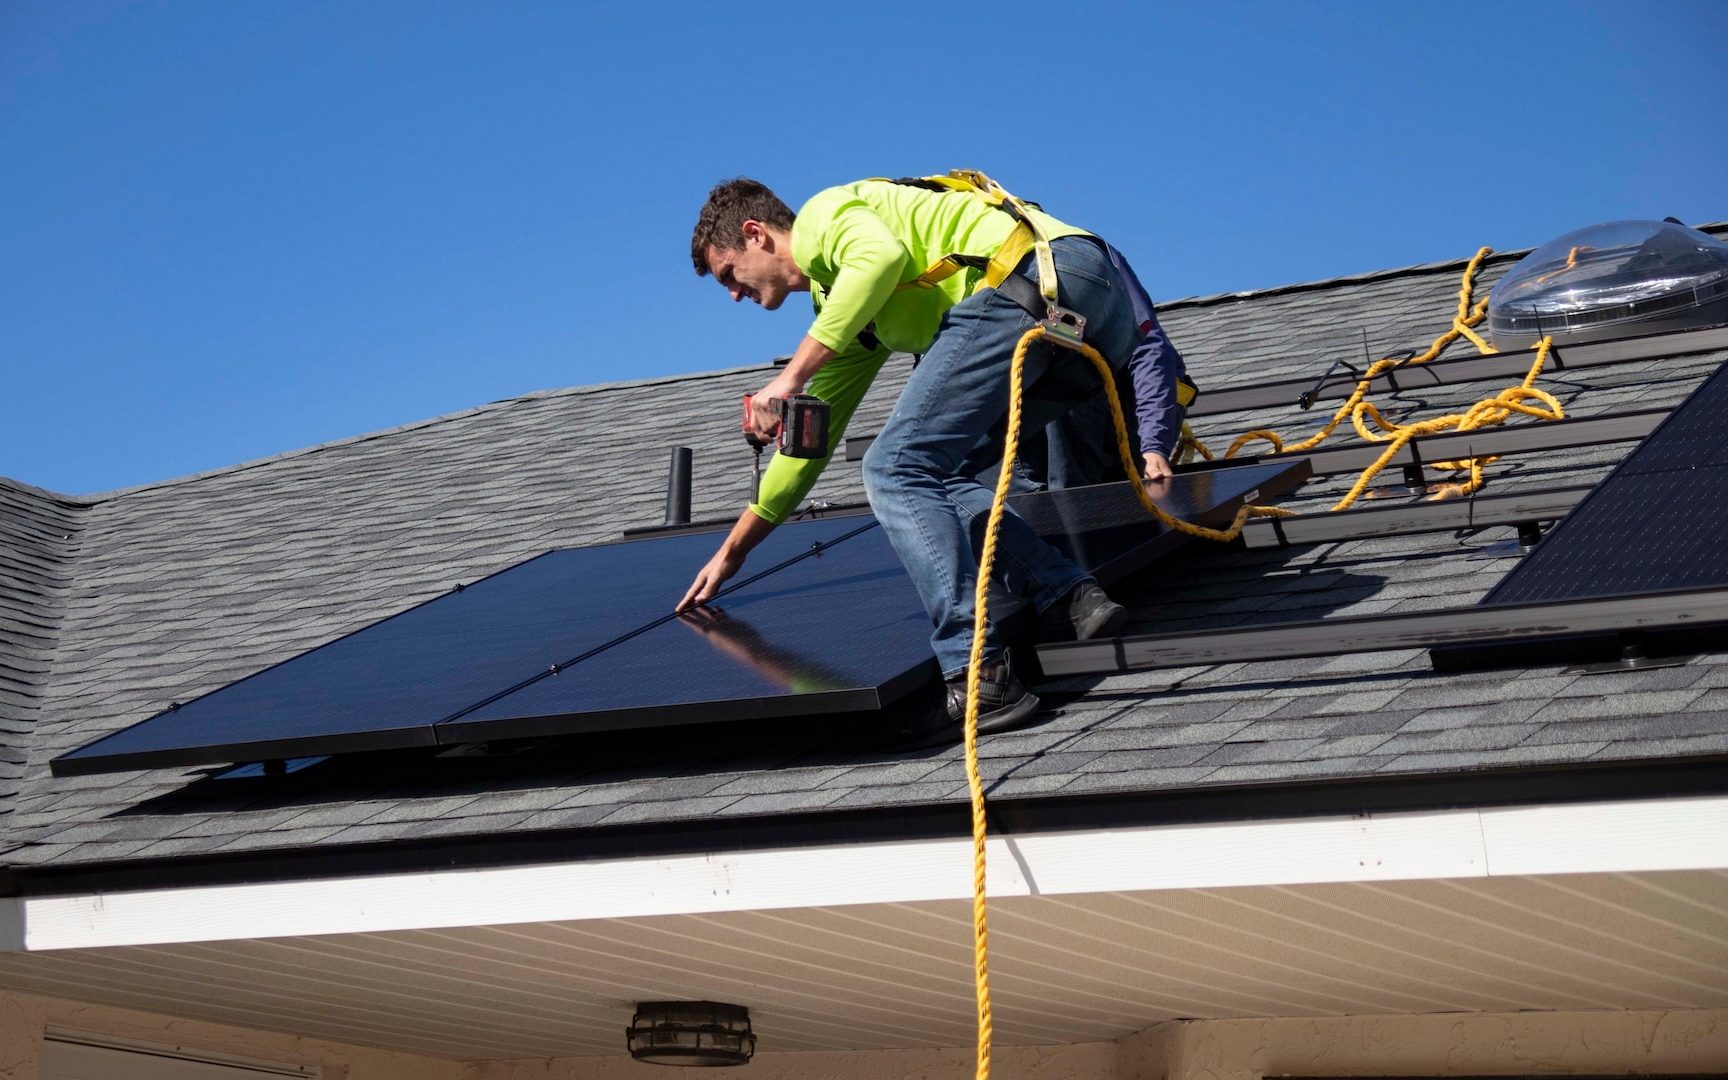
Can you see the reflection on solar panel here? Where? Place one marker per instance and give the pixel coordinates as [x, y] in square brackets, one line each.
[580, 640]
[1656, 522]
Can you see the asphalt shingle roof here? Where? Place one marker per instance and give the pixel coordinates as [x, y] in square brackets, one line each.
[113, 606]
[39, 534]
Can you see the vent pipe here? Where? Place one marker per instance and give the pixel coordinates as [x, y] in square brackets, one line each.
[678, 487]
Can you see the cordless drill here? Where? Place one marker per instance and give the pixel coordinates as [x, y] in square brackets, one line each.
[801, 433]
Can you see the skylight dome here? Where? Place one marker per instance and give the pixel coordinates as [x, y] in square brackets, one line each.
[1612, 280]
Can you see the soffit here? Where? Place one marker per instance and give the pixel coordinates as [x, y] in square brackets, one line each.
[1064, 969]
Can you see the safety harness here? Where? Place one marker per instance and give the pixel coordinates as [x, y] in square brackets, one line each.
[1067, 329]
[1038, 298]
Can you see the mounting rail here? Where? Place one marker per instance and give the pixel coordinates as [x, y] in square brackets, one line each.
[1481, 625]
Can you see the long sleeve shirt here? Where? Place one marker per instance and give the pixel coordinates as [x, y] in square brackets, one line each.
[857, 243]
[1152, 370]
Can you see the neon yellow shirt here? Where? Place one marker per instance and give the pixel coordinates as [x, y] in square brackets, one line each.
[856, 242]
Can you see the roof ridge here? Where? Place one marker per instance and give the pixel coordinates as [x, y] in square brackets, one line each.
[70, 502]
[42, 532]
[1210, 299]
[399, 429]
[95, 498]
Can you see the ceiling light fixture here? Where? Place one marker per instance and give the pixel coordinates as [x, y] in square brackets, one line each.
[699, 1033]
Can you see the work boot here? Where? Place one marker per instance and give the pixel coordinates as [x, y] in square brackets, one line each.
[1003, 703]
[1090, 612]
[1003, 700]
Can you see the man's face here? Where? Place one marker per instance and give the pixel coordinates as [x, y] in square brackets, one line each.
[753, 272]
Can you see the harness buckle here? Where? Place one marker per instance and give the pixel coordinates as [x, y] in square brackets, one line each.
[1065, 328]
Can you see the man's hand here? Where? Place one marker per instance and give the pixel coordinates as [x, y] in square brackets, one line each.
[768, 404]
[722, 566]
[1157, 468]
[745, 535]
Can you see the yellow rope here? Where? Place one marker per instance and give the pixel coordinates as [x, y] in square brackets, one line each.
[1363, 413]
[1485, 413]
[981, 619]
[1462, 322]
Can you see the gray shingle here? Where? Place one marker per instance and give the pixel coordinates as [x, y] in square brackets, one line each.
[1486, 737]
[40, 540]
[135, 598]
[779, 782]
[934, 791]
[1678, 746]
[1449, 760]
[1645, 703]
[689, 808]
[1630, 729]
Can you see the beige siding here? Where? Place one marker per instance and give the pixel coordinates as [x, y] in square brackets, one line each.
[25, 1018]
[1498, 1044]
[1509, 1044]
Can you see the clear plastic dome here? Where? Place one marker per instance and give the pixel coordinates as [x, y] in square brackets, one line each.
[1612, 280]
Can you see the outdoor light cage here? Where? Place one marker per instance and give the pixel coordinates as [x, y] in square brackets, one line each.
[691, 1033]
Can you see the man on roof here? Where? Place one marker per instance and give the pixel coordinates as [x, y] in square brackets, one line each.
[867, 253]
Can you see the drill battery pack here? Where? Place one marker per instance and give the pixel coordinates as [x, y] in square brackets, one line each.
[803, 430]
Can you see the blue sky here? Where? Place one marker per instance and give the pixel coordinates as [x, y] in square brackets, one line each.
[230, 229]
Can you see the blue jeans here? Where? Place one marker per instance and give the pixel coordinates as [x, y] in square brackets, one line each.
[921, 473]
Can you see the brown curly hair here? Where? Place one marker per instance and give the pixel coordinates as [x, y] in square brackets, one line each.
[729, 206]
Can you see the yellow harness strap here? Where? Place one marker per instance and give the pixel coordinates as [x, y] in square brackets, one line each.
[1024, 238]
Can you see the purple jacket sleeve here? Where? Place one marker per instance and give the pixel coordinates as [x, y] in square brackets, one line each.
[1153, 369]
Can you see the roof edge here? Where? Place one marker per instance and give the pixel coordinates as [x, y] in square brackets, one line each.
[1619, 836]
[1512, 785]
[70, 502]
[1447, 266]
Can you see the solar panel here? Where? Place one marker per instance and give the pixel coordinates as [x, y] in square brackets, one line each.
[1105, 529]
[386, 685]
[581, 640]
[1656, 522]
[840, 631]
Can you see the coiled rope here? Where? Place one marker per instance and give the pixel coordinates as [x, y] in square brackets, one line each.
[1488, 412]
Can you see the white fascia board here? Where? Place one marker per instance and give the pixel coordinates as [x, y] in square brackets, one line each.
[1663, 834]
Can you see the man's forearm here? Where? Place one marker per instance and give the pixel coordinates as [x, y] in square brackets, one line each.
[806, 361]
[750, 529]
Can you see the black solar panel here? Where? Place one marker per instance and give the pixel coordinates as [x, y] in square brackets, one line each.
[1105, 529]
[1658, 521]
[386, 686]
[582, 640]
[840, 631]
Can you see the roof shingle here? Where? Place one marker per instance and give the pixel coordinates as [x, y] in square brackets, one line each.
[112, 607]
